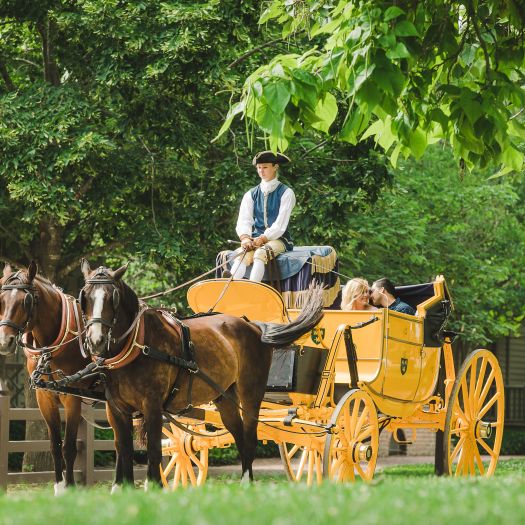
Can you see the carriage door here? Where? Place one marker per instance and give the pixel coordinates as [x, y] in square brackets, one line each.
[402, 355]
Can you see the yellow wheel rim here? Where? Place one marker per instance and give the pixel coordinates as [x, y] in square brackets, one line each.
[475, 414]
[351, 451]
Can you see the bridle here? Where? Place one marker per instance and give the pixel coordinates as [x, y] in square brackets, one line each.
[102, 276]
[30, 300]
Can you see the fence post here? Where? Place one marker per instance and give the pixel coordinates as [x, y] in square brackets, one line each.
[87, 454]
[5, 402]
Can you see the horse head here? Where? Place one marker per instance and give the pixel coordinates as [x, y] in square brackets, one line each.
[18, 301]
[103, 302]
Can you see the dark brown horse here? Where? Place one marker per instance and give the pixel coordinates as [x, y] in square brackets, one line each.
[31, 305]
[232, 357]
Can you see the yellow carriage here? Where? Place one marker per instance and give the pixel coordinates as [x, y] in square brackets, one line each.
[356, 374]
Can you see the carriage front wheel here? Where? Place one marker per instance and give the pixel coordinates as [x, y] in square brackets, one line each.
[186, 466]
[350, 451]
[474, 420]
[301, 463]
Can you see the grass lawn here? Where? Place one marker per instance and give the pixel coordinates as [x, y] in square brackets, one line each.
[398, 495]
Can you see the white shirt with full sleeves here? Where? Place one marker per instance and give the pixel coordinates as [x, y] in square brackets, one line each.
[246, 212]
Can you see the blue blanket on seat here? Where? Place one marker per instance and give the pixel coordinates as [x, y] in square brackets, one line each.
[298, 269]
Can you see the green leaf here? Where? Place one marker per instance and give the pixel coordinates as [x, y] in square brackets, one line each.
[234, 110]
[277, 95]
[326, 111]
[405, 28]
[512, 158]
[418, 143]
[400, 51]
[393, 12]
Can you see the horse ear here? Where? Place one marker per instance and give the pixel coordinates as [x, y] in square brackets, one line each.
[117, 274]
[7, 270]
[84, 266]
[31, 271]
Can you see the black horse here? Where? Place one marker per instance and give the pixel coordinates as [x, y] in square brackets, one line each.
[153, 367]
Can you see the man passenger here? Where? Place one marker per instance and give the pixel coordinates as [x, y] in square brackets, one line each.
[383, 293]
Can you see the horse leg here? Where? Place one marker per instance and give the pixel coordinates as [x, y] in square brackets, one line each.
[72, 405]
[48, 405]
[123, 430]
[153, 428]
[228, 407]
[251, 387]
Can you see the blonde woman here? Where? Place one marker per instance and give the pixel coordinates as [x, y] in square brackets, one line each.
[356, 295]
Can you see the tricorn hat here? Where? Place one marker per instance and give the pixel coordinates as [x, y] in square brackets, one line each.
[270, 157]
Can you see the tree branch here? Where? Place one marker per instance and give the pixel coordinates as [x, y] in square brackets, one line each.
[482, 43]
[259, 48]
[26, 61]
[7, 79]
[65, 270]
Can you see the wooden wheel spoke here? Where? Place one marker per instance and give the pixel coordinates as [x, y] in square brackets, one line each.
[291, 453]
[484, 445]
[353, 416]
[318, 467]
[491, 401]
[364, 475]
[465, 397]
[457, 448]
[171, 464]
[360, 421]
[302, 463]
[486, 388]
[481, 376]
[472, 387]
[462, 414]
[479, 462]
[366, 433]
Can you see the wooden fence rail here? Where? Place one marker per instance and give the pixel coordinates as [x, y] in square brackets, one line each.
[85, 471]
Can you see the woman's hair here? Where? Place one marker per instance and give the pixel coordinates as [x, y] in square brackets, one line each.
[352, 289]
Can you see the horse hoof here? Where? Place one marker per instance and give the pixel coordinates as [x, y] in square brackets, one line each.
[60, 488]
[245, 480]
[115, 489]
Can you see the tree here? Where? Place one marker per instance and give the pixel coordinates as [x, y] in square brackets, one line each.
[470, 230]
[406, 73]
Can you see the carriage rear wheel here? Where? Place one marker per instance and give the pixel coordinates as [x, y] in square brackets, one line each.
[301, 463]
[475, 414]
[350, 452]
[186, 465]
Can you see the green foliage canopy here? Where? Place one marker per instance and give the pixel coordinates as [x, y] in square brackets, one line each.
[406, 73]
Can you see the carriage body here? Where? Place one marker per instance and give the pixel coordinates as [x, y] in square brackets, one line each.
[395, 363]
[325, 418]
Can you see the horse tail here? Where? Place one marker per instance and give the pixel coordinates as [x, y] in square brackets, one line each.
[282, 335]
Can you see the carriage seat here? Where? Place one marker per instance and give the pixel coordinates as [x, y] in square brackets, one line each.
[298, 268]
[432, 303]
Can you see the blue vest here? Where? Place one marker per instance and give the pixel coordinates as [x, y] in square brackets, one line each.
[273, 205]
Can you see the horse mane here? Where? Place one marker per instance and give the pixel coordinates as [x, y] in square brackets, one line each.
[129, 298]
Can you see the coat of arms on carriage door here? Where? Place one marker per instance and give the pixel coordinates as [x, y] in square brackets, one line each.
[404, 365]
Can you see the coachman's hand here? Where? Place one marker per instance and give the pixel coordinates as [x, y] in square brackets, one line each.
[247, 244]
[260, 241]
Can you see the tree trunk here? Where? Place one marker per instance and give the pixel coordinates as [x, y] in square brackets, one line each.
[47, 252]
